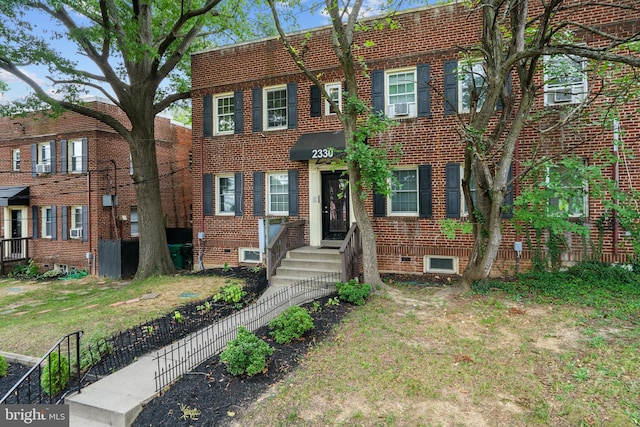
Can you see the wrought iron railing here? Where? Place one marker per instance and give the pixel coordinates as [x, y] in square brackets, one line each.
[290, 236]
[351, 254]
[51, 379]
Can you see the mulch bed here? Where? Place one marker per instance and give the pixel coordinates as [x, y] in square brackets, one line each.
[15, 372]
[219, 396]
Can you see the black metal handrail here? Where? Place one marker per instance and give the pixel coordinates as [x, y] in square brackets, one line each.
[62, 373]
[290, 236]
[351, 252]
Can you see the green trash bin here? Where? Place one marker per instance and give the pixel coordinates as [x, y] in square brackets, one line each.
[176, 256]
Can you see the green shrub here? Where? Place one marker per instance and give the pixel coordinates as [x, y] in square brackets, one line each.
[230, 294]
[92, 351]
[55, 374]
[247, 354]
[3, 366]
[353, 291]
[291, 324]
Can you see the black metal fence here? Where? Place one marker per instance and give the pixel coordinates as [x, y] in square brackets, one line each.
[52, 378]
[181, 357]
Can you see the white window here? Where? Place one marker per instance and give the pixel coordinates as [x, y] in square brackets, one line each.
[472, 84]
[225, 195]
[134, 221]
[250, 255]
[47, 221]
[278, 194]
[565, 80]
[401, 93]
[224, 114]
[568, 192]
[16, 159]
[440, 264]
[404, 196]
[275, 108]
[75, 156]
[44, 153]
[76, 217]
[335, 93]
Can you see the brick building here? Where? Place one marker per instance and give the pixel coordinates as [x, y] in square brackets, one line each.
[264, 138]
[66, 183]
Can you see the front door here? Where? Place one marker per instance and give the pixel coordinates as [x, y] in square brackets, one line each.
[335, 206]
[16, 231]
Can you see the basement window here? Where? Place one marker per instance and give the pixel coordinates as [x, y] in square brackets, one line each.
[250, 255]
[440, 264]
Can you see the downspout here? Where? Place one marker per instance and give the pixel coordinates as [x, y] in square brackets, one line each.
[91, 257]
[616, 178]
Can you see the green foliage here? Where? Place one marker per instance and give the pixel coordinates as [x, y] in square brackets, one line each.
[451, 227]
[335, 301]
[4, 366]
[291, 324]
[247, 354]
[177, 316]
[32, 268]
[93, 350]
[230, 294]
[353, 292]
[55, 374]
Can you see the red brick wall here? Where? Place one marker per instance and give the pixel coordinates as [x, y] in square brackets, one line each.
[429, 35]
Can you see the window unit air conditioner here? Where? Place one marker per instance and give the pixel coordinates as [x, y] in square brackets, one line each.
[563, 95]
[75, 233]
[43, 168]
[401, 109]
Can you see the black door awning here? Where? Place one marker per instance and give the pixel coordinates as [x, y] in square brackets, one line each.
[14, 196]
[321, 145]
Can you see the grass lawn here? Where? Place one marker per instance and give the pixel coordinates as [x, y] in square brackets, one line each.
[35, 314]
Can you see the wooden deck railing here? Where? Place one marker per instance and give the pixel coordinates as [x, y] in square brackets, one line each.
[12, 250]
[290, 236]
[351, 253]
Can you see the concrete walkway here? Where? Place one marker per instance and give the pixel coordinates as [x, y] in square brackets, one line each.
[117, 399]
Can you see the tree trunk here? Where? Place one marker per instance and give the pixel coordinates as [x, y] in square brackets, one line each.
[154, 255]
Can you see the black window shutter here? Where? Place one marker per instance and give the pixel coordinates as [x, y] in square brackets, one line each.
[65, 225]
[450, 87]
[256, 109]
[85, 155]
[207, 192]
[34, 159]
[54, 223]
[424, 188]
[238, 113]
[207, 115]
[424, 90]
[34, 221]
[377, 91]
[379, 204]
[293, 192]
[63, 156]
[292, 105]
[507, 203]
[85, 223]
[453, 190]
[239, 204]
[52, 145]
[258, 186]
[315, 101]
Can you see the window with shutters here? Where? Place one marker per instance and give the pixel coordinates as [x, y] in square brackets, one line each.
[225, 195]
[404, 195]
[44, 153]
[47, 221]
[472, 85]
[275, 108]
[75, 156]
[224, 114]
[335, 92]
[278, 194]
[16, 159]
[568, 192]
[401, 93]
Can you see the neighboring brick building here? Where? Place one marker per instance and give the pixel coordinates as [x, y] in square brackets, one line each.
[61, 178]
[263, 139]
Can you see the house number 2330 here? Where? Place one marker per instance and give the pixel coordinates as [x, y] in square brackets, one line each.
[321, 153]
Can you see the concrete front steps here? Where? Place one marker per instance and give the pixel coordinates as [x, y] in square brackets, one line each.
[305, 263]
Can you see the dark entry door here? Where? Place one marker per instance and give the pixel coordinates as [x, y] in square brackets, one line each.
[335, 206]
[16, 231]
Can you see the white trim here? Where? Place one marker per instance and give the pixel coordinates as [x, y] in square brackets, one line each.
[568, 93]
[216, 98]
[412, 106]
[70, 156]
[328, 88]
[217, 189]
[415, 213]
[265, 112]
[454, 261]
[15, 160]
[268, 193]
[43, 222]
[23, 220]
[242, 255]
[477, 68]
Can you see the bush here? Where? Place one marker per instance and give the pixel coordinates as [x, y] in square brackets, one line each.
[230, 294]
[3, 366]
[247, 354]
[55, 374]
[353, 292]
[291, 324]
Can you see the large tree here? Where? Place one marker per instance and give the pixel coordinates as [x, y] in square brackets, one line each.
[517, 36]
[135, 53]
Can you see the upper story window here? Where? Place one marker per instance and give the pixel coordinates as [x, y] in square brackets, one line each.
[568, 191]
[15, 157]
[335, 93]
[472, 85]
[224, 114]
[275, 107]
[565, 80]
[44, 153]
[278, 194]
[75, 156]
[404, 196]
[401, 89]
[225, 195]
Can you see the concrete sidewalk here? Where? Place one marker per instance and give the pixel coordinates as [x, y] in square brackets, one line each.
[117, 399]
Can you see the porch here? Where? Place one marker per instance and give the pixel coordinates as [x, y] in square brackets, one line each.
[13, 251]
